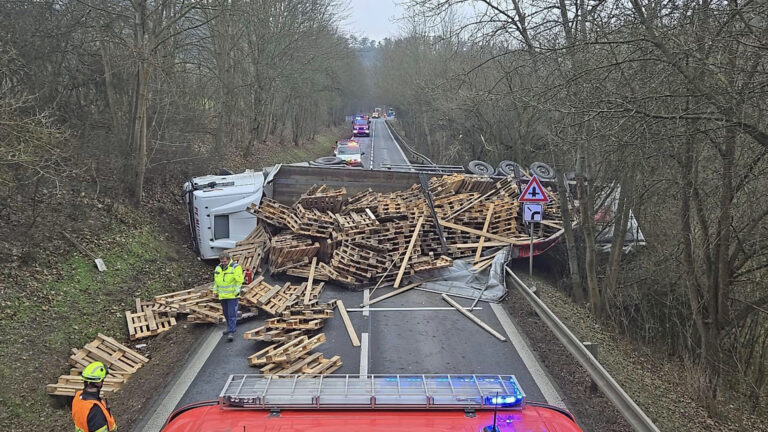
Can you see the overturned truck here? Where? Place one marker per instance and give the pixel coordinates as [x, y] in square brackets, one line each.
[359, 226]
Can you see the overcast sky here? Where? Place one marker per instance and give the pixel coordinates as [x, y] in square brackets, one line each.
[372, 18]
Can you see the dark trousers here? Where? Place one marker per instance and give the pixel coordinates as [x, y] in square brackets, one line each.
[229, 308]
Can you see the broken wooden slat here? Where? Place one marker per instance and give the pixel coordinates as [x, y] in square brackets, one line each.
[348, 324]
[474, 319]
[408, 252]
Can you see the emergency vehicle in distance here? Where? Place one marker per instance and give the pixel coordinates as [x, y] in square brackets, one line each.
[340, 403]
[348, 150]
[361, 126]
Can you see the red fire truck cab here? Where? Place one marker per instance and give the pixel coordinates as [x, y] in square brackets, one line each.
[342, 403]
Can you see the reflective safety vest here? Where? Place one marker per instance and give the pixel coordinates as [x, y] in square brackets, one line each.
[227, 282]
[80, 409]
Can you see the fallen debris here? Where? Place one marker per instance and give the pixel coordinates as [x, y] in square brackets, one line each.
[348, 324]
[475, 319]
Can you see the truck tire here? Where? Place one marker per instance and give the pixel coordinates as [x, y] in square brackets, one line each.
[480, 168]
[507, 168]
[329, 160]
[543, 171]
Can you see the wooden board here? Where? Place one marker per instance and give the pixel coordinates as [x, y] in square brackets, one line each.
[348, 323]
[408, 252]
[474, 319]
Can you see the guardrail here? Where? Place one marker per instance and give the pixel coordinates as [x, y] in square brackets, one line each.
[626, 406]
[418, 157]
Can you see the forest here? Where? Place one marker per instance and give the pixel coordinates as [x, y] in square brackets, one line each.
[659, 103]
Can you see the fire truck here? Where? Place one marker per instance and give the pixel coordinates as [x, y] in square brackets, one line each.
[339, 403]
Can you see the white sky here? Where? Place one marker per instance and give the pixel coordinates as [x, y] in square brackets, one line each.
[374, 19]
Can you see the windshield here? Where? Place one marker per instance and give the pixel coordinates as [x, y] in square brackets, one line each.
[346, 150]
[361, 122]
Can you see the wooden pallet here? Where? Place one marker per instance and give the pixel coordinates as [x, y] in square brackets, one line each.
[312, 364]
[148, 323]
[286, 352]
[297, 323]
[289, 248]
[266, 334]
[275, 213]
[210, 312]
[68, 385]
[115, 355]
[180, 301]
[323, 199]
[314, 223]
[323, 311]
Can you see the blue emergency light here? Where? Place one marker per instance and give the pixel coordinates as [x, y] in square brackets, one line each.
[504, 400]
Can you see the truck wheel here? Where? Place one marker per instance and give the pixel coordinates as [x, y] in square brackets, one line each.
[543, 171]
[480, 168]
[507, 168]
[329, 160]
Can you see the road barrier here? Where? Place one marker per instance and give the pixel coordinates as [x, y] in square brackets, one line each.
[626, 406]
[413, 155]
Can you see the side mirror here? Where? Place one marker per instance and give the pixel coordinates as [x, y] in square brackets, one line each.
[362, 154]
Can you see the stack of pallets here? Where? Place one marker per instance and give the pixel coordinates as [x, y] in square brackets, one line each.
[291, 337]
[356, 239]
[121, 361]
[250, 252]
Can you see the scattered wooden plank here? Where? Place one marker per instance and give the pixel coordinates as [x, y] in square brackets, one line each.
[386, 273]
[408, 251]
[474, 319]
[308, 293]
[480, 233]
[391, 294]
[485, 230]
[348, 324]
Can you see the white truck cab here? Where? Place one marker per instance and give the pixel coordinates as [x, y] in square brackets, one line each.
[216, 206]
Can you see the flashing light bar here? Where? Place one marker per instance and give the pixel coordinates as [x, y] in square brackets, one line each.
[376, 391]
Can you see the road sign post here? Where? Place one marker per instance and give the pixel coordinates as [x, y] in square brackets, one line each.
[532, 213]
[533, 198]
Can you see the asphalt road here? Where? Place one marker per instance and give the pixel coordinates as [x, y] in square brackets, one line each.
[413, 341]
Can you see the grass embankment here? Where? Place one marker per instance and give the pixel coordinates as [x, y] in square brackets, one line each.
[57, 300]
[66, 304]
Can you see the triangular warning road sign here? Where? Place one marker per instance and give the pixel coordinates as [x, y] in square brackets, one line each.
[534, 192]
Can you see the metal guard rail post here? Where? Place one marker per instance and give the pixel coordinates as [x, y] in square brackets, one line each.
[626, 406]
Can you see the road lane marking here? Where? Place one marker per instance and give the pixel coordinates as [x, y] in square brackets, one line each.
[537, 372]
[179, 388]
[366, 299]
[373, 136]
[364, 356]
[405, 159]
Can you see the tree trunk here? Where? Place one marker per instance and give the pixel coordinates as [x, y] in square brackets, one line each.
[577, 289]
[140, 132]
[587, 222]
[110, 87]
[620, 222]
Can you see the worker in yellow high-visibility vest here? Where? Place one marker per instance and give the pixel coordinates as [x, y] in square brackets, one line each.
[227, 281]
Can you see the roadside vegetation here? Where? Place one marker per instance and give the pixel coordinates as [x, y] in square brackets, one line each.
[662, 104]
[106, 108]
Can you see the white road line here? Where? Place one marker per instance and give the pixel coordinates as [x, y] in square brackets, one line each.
[366, 299]
[167, 405]
[539, 376]
[373, 136]
[367, 309]
[364, 355]
[405, 159]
